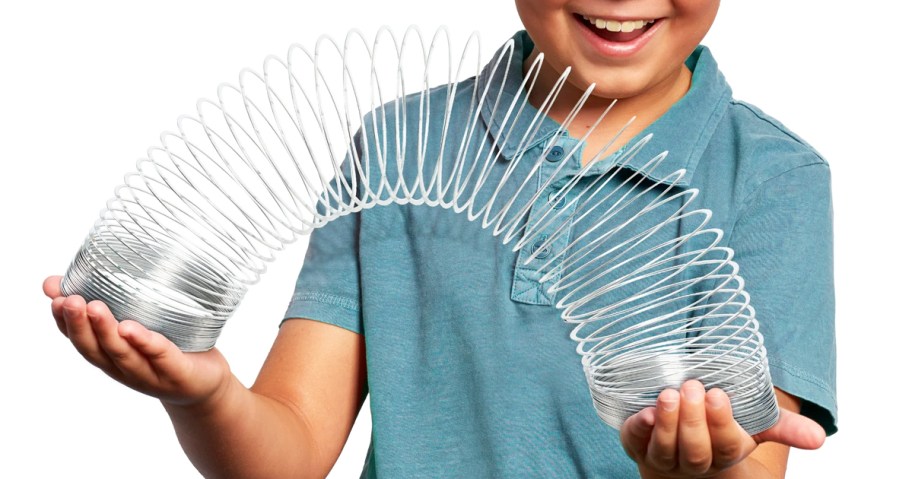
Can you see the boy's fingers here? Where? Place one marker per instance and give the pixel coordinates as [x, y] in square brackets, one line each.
[81, 333]
[129, 361]
[636, 432]
[51, 286]
[694, 443]
[163, 355]
[663, 446]
[57, 312]
[728, 439]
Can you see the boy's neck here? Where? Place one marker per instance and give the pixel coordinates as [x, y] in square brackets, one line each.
[647, 106]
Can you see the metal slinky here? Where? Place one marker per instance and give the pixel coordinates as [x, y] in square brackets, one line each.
[333, 131]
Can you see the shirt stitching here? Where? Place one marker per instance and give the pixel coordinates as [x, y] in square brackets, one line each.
[785, 131]
[325, 298]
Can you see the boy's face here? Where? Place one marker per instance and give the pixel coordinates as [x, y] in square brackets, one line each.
[641, 57]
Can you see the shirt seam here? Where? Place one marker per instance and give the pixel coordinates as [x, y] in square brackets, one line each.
[751, 197]
[785, 131]
[326, 298]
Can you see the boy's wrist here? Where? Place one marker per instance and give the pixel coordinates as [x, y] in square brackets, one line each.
[747, 468]
[221, 397]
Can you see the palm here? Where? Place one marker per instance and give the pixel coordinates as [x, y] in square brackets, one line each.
[175, 376]
[694, 433]
[135, 356]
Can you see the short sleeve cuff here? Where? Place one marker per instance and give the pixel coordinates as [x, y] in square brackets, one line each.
[326, 308]
[818, 400]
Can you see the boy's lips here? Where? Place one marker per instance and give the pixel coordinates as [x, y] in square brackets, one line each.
[617, 44]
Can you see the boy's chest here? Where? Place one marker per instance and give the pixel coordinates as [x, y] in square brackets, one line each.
[572, 240]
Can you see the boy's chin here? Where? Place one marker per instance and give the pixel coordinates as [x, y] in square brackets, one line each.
[622, 84]
[610, 89]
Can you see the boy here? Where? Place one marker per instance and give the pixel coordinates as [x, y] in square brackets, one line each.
[479, 382]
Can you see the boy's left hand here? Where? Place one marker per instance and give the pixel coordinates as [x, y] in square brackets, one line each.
[694, 434]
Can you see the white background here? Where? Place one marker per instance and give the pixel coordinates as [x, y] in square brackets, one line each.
[87, 86]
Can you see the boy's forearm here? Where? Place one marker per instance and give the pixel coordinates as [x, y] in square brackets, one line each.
[241, 434]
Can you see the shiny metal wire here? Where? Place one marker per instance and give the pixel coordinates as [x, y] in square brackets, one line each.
[292, 147]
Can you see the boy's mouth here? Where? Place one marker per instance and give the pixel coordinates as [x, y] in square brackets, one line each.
[615, 30]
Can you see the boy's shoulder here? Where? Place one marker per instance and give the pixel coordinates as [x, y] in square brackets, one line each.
[751, 151]
[765, 143]
[432, 103]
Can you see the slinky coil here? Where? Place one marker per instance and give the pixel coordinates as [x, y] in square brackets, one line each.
[326, 133]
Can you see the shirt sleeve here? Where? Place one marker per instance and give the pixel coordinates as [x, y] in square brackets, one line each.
[328, 288]
[783, 241]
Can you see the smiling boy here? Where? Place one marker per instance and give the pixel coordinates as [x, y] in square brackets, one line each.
[471, 373]
[644, 67]
[642, 53]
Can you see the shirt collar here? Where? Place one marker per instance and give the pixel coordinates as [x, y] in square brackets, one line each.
[700, 110]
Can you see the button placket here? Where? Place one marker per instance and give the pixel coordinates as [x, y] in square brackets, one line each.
[554, 204]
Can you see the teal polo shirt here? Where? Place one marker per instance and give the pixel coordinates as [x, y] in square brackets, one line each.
[470, 369]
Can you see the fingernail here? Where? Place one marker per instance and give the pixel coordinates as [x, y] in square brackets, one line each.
[692, 392]
[715, 400]
[668, 401]
[649, 419]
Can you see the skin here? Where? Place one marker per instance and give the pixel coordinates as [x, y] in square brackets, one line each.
[292, 422]
[690, 432]
[646, 85]
[298, 414]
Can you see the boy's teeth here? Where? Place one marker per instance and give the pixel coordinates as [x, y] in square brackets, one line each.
[616, 26]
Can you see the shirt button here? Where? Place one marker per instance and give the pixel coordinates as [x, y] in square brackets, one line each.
[555, 154]
[538, 244]
[555, 202]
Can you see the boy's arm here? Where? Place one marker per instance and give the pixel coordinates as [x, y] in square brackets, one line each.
[294, 420]
[694, 434]
[292, 423]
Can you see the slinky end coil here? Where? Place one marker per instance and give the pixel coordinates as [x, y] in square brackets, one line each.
[294, 147]
[633, 382]
[159, 284]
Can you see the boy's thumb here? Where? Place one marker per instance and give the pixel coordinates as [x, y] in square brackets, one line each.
[794, 430]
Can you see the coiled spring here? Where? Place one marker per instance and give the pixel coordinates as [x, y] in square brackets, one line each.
[278, 155]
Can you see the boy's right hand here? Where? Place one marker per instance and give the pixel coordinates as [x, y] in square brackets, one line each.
[137, 357]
